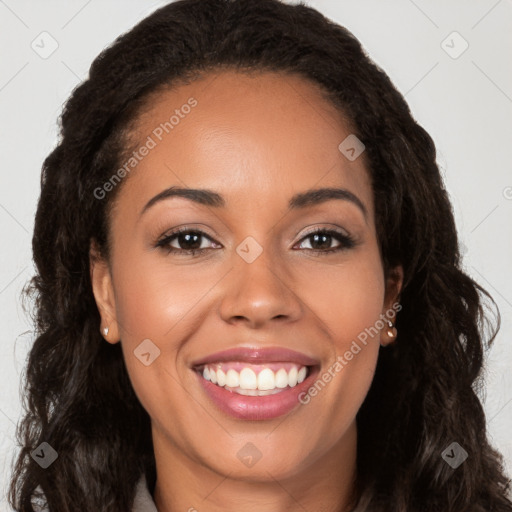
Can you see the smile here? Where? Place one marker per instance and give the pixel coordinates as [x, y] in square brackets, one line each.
[247, 391]
[255, 380]
[259, 383]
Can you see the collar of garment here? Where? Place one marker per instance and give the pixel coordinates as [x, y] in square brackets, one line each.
[143, 501]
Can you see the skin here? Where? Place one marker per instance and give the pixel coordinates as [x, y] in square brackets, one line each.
[257, 140]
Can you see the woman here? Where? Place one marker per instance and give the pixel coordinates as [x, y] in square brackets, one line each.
[249, 289]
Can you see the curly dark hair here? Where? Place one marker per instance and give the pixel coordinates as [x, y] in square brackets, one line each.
[78, 396]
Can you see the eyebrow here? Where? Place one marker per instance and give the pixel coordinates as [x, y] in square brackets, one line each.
[305, 199]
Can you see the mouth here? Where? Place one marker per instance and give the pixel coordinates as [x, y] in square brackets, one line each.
[256, 384]
[254, 380]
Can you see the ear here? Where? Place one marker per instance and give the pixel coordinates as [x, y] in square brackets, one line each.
[394, 282]
[103, 290]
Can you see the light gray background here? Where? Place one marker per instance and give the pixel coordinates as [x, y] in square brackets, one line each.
[465, 103]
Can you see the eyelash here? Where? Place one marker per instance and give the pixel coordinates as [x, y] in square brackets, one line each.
[347, 242]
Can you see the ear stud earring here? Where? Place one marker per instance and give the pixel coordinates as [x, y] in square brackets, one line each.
[390, 333]
[105, 331]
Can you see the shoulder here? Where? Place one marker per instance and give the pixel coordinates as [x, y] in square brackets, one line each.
[143, 501]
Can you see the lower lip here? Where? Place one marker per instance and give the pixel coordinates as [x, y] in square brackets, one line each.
[257, 407]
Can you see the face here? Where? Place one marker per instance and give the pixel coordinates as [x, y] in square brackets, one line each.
[287, 280]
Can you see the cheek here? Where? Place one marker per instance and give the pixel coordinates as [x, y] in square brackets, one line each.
[346, 298]
[152, 306]
[163, 303]
[348, 302]
[154, 298]
[341, 387]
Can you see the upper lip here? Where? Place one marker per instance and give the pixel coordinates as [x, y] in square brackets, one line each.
[258, 355]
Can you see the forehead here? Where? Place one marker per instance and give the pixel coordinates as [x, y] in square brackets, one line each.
[261, 137]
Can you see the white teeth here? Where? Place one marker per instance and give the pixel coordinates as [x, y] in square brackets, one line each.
[292, 377]
[281, 378]
[256, 392]
[266, 379]
[247, 382]
[248, 379]
[232, 379]
[221, 378]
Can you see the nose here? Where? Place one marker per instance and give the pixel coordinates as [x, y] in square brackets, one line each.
[256, 293]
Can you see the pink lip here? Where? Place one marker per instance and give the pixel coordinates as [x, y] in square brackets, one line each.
[257, 407]
[258, 355]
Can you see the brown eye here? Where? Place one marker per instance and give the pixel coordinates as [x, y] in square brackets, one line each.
[321, 241]
[184, 241]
